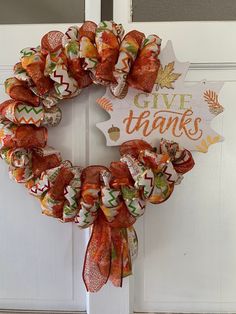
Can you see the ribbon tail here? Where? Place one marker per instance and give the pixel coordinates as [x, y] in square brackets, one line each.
[97, 263]
[121, 262]
[127, 256]
[116, 274]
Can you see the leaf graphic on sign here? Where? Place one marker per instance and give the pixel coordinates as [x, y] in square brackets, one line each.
[204, 145]
[105, 103]
[213, 103]
[166, 77]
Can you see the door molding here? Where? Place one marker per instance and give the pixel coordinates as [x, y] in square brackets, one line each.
[213, 66]
[39, 312]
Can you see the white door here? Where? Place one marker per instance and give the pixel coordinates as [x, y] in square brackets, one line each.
[41, 259]
[187, 253]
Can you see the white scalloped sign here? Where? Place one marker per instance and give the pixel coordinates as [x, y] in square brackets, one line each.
[174, 110]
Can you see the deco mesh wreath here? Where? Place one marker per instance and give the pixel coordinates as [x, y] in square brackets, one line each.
[108, 199]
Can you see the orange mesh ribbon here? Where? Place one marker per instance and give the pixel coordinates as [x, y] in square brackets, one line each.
[107, 255]
[107, 43]
[19, 90]
[146, 66]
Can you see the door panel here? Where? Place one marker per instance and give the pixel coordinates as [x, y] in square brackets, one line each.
[187, 245]
[44, 11]
[196, 42]
[183, 10]
[40, 258]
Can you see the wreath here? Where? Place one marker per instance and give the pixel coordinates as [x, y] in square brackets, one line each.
[108, 199]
